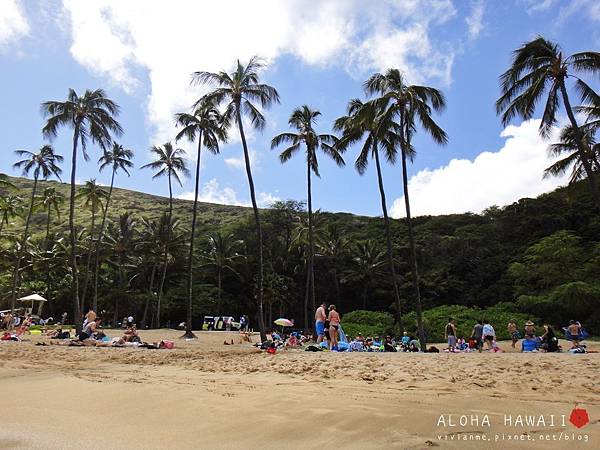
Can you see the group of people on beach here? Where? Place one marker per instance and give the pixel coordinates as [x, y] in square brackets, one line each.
[327, 325]
[483, 334]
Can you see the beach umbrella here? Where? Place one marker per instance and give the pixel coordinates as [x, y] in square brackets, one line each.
[283, 322]
[32, 298]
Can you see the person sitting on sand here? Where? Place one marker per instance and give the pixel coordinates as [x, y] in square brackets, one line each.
[488, 334]
[549, 340]
[131, 334]
[529, 344]
[414, 346]
[334, 325]
[24, 328]
[513, 333]
[88, 332]
[7, 321]
[89, 317]
[389, 345]
[405, 339]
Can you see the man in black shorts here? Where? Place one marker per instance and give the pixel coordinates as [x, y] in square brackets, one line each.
[477, 335]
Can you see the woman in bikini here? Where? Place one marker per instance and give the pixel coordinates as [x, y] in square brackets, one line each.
[334, 325]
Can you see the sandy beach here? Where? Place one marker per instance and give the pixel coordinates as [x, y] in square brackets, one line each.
[204, 394]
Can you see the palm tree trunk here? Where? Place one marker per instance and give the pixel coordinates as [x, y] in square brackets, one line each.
[306, 298]
[88, 261]
[15, 285]
[586, 158]
[188, 323]
[74, 274]
[311, 244]
[99, 243]
[1, 225]
[364, 296]
[413, 257]
[388, 234]
[338, 296]
[219, 295]
[151, 295]
[121, 291]
[166, 254]
[47, 248]
[261, 317]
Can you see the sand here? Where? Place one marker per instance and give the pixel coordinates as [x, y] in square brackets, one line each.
[204, 394]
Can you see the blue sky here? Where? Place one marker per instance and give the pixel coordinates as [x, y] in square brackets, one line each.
[319, 53]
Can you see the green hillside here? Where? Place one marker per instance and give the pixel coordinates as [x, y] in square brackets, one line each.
[138, 203]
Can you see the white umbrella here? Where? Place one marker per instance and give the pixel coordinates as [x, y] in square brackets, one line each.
[33, 298]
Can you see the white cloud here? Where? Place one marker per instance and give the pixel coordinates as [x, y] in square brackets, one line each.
[475, 19]
[492, 178]
[534, 6]
[116, 39]
[13, 23]
[587, 9]
[212, 192]
[240, 163]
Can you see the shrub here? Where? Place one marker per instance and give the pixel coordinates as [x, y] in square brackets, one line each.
[367, 323]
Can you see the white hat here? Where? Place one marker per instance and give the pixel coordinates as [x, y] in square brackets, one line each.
[130, 319]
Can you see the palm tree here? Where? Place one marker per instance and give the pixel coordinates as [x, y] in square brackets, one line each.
[409, 105]
[239, 90]
[117, 158]
[568, 145]
[205, 122]
[51, 200]
[382, 134]
[92, 117]
[299, 245]
[10, 206]
[44, 164]
[222, 254]
[93, 196]
[302, 120]
[169, 162]
[121, 236]
[332, 246]
[367, 260]
[540, 65]
[149, 245]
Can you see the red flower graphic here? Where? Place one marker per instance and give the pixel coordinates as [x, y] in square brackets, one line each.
[579, 417]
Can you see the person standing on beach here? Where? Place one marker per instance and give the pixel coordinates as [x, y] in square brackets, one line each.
[478, 335]
[529, 329]
[320, 318]
[489, 334]
[512, 332]
[574, 329]
[450, 333]
[334, 326]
